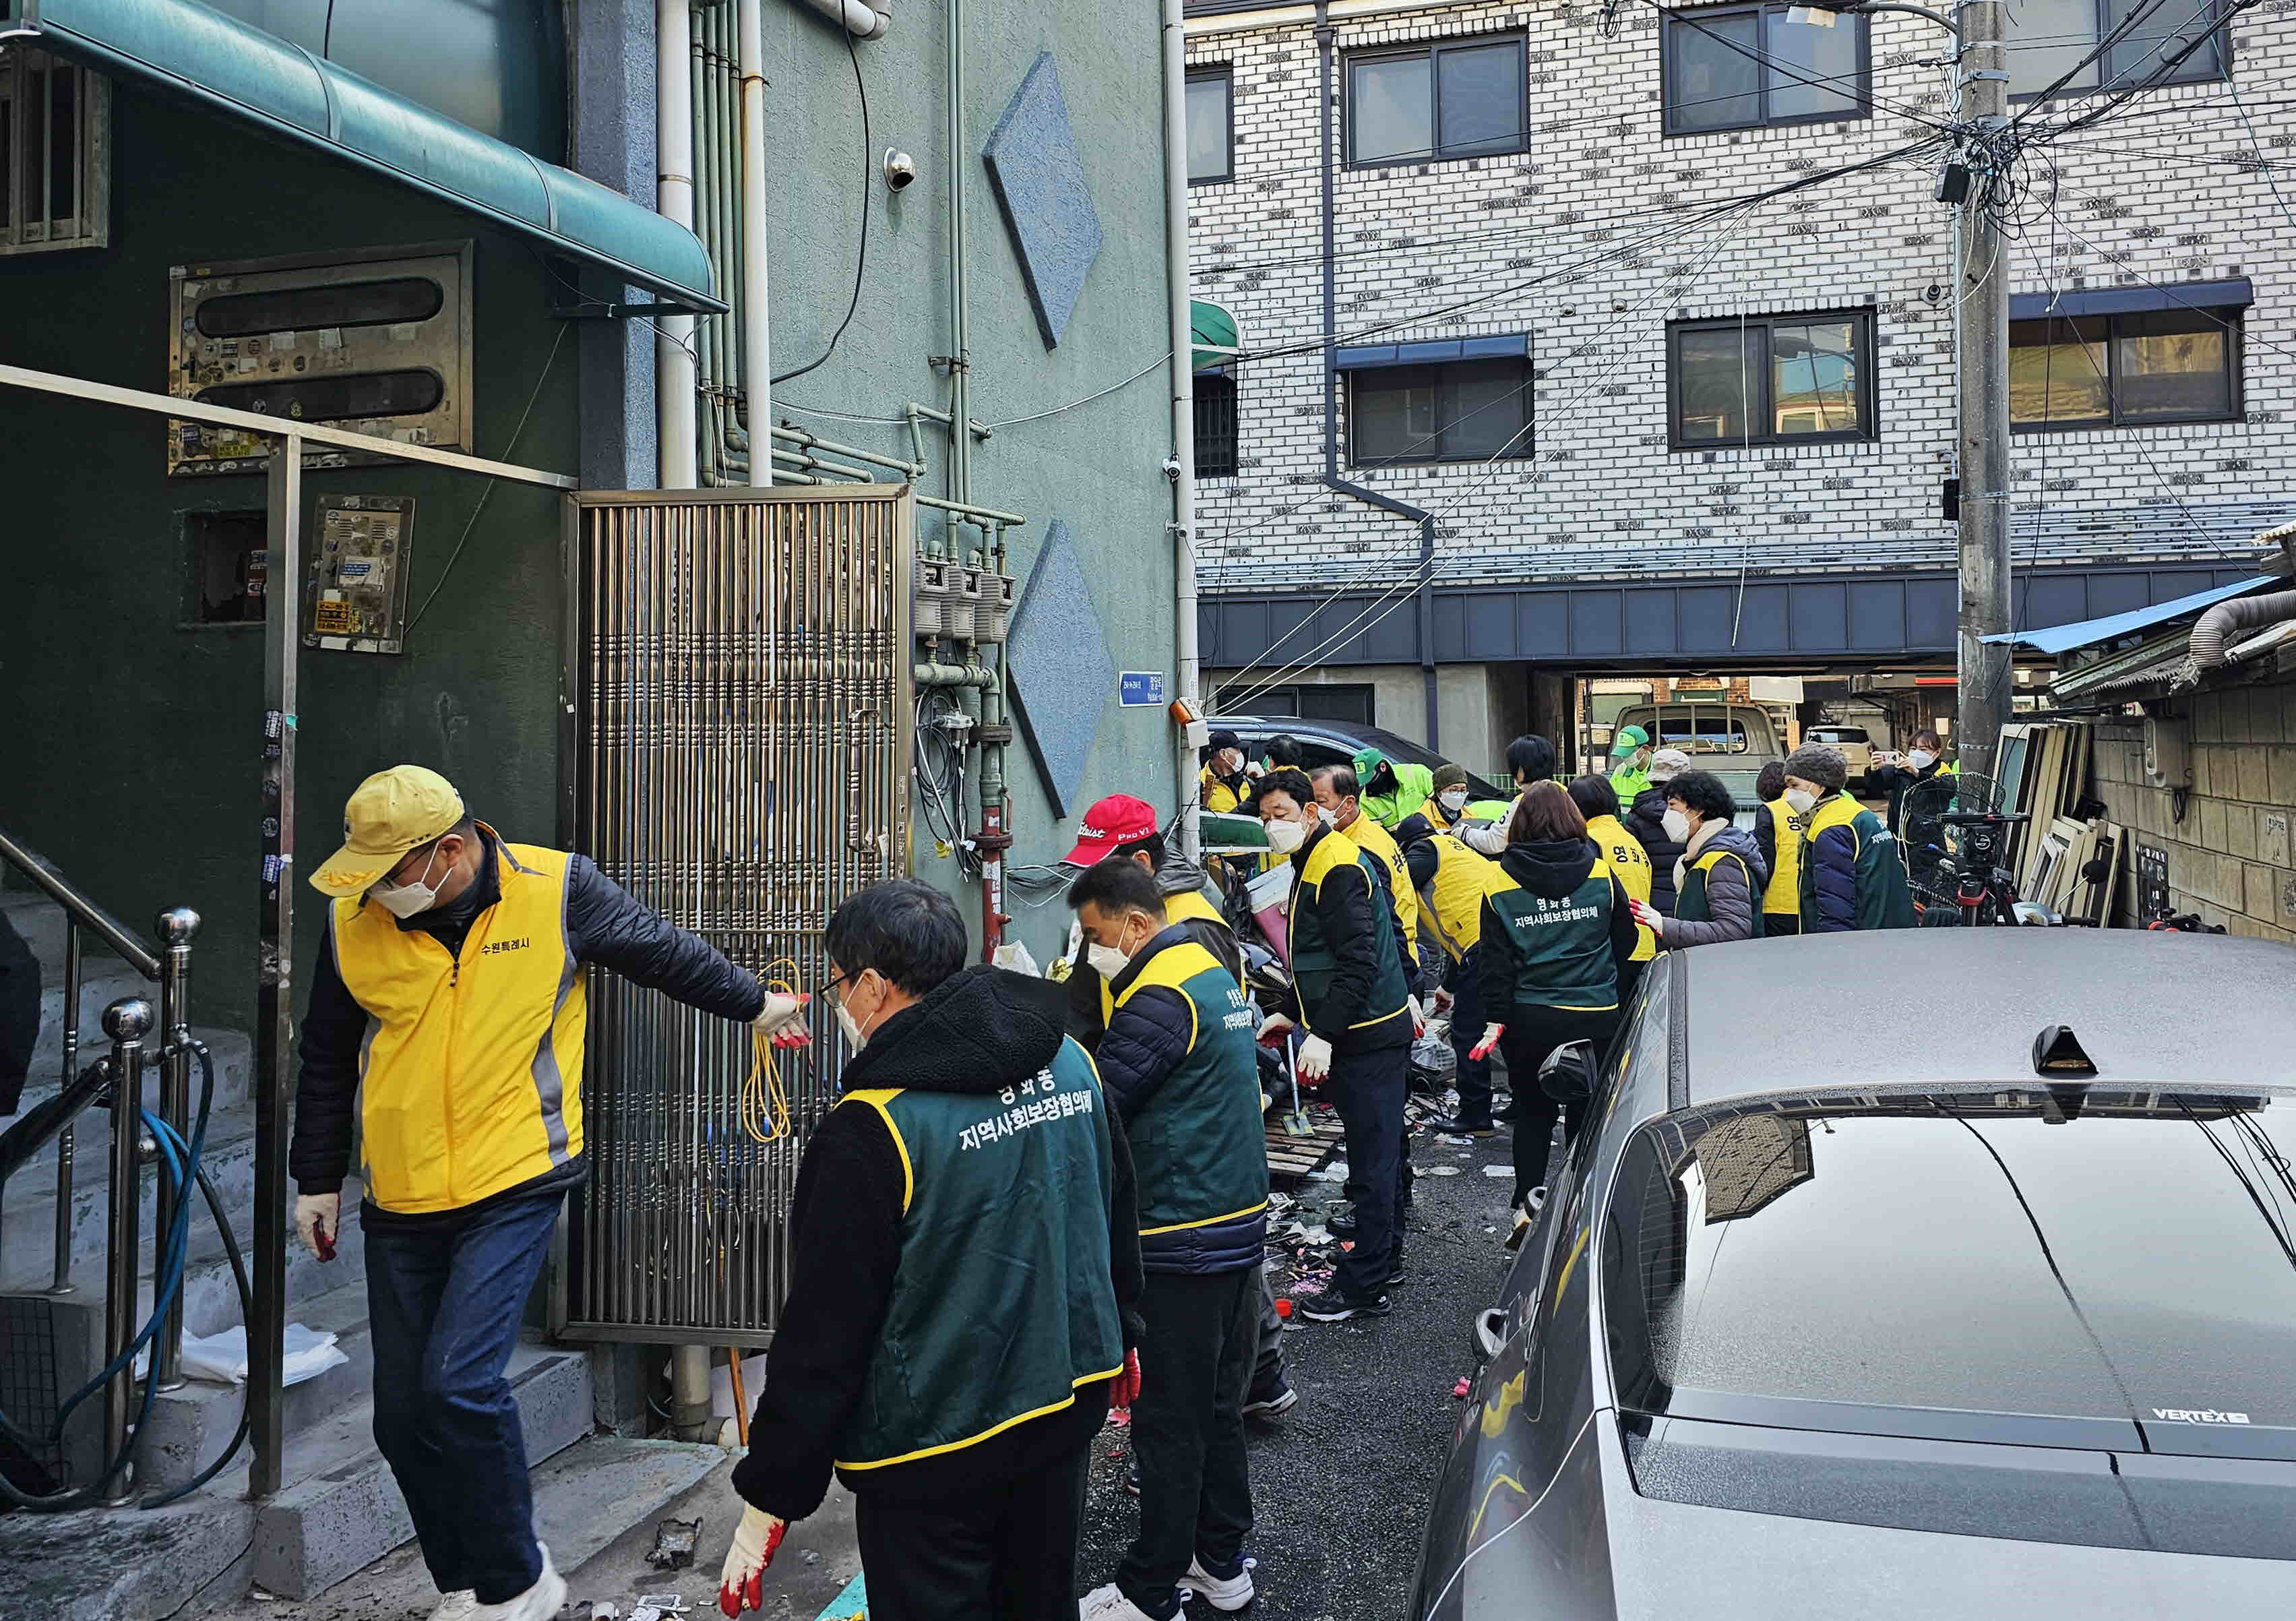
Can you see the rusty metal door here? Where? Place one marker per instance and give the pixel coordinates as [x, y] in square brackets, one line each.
[736, 749]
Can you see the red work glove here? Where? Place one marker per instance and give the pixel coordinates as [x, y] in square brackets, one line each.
[1124, 1389]
[742, 1585]
[1482, 1049]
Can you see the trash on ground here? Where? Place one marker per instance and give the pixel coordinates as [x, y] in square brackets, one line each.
[1336, 1172]
[1499, 1170]
[667, 1603]
[605, 1610]
[1459, 1391]
[222, 1358]
[673, 1550]
[1438, 1171]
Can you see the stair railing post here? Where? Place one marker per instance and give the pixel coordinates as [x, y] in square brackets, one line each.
[125, 1022]
[63, 1282]
[177, 927]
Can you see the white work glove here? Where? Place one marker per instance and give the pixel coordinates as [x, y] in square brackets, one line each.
[317, 1215]
[741, 1585]
[1315, 1059]
[1443, 1000]
[1272, 1030]
[781, 1022]
[1418, 1016]
[1490, 1039]
[1649, 916]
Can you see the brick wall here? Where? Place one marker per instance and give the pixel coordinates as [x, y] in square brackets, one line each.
[2229, 857]
[2165, 195]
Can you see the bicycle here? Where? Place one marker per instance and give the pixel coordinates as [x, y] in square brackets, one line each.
[1968, 887]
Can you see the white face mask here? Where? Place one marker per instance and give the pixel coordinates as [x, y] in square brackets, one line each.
[1921, 759]
[1452, 800]
[1677, 827]
[1108, 962]
[408, 900]
[1801, 800]
[855, 1038]
[1284, 837]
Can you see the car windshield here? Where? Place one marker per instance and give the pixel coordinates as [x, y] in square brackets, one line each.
[1836, 734]
[1960, 1259]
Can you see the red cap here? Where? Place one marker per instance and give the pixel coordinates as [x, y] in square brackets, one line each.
[1118, 819]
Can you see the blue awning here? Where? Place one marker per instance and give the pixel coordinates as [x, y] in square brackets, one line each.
[184, 46]
[2089, 632]
[1508, 346]
[2131, 300]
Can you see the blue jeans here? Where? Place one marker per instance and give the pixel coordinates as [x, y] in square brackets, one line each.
[445, 1300]
[1467, 1021]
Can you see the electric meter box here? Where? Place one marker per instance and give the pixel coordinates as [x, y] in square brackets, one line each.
[355, 600]
[372, 343]
[2168, 757]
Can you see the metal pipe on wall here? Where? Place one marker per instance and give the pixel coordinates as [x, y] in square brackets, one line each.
[855, 19]
[674, 378]
[125, 1022]
[757, 348]
[176, 927]
[1183, 411]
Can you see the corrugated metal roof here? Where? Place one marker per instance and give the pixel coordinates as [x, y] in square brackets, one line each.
[2112, 627]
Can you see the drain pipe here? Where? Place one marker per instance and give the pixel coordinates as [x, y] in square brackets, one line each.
[855, 18]
[757, 348]
[1182, 465]
[674, 378]
[1324, 39]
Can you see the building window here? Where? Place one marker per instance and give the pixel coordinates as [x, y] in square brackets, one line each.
[1463, 99]
[1211, 125]
[1770, 380]
[2124, 371]
[1215, 426]
[1742, 69]
[2180, 41]
[1457, 411]
[56, 155]
[1348, 704]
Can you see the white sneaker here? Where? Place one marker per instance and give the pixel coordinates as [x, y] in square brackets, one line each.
[457, 1606]
[1109, 1604]
[540, 1602]
[1233, 1593]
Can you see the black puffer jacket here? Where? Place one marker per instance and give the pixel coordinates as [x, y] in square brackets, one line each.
[1730, 903]
[1145, 1039]
[604, 925]
[980, 1030]
[1646, 820]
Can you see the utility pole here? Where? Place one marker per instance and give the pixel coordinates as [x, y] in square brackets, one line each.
[1982, 332]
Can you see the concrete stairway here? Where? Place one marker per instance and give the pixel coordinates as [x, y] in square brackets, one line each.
[339, 1510]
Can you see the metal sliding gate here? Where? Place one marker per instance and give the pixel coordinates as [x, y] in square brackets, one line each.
[737, 756]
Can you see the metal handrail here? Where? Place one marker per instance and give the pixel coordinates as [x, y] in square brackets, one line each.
[169, 969]
[44, 876]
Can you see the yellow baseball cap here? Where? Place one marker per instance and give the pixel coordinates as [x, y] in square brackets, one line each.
[388, 814]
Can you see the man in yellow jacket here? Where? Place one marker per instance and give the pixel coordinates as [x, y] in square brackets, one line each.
[446, 1021]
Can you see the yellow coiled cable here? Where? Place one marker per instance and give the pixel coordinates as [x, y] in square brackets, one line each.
[763, 1099]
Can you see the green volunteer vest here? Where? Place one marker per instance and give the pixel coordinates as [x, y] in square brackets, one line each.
[1004, 1302]
[1199, 1150]
[1691, 904]
[1313, 959]
[1884, 900]
[1562, 947]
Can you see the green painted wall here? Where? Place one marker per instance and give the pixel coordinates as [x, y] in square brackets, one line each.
[1099, 466]
[133, 745]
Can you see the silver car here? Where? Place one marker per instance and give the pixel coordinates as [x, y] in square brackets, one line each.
[1990, 1310]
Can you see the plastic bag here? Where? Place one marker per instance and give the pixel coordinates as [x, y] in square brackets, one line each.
[1013, 955]
[222, 1358]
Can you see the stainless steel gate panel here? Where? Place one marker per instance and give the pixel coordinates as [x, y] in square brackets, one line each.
[737, 754]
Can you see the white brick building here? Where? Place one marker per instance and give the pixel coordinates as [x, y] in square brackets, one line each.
[1618, 531]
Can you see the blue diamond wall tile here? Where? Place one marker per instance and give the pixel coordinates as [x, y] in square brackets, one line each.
[1062, 674]
[1041, 184]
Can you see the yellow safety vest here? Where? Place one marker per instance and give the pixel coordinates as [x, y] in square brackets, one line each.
[1181, 907]
[1366, 834]
[1790, 831]
[471, 1079]
[1452, 903]
[1631, 863]
[1215, 796]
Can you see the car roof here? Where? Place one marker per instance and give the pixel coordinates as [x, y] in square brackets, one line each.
[1824, 1012]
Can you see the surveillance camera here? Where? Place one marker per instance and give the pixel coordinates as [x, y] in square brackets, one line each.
[1172, 468]
[900, 169]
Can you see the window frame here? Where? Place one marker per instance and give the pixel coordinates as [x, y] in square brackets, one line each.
[1432, 49]
[1525, 443]
[1235, 393]
[1677, 20]
[1223, 73]
[2235, 320]
[91, 214]
[1868, 381]
[2103, 86]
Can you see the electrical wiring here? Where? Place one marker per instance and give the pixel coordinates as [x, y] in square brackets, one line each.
[1015, 422]
[868, 191]
[1870, 101]
[763, 1099]
[2257, 142]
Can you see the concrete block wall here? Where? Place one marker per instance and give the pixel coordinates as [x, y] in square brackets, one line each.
[2230, 857]
[2167, 193]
